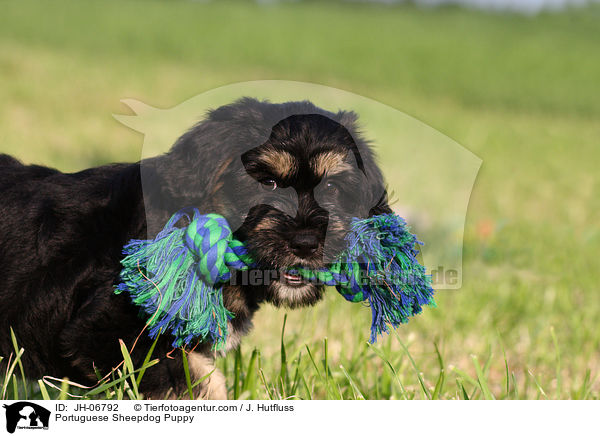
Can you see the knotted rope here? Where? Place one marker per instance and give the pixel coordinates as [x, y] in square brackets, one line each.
[176, 278]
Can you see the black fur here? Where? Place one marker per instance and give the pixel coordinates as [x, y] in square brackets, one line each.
[61, 235]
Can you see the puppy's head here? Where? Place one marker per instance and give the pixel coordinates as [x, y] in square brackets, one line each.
[289, 178]
[309, 181]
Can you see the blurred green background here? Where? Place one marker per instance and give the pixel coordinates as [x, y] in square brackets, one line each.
[521, 92]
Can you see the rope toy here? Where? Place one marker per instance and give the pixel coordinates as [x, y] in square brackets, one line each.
[176, 278]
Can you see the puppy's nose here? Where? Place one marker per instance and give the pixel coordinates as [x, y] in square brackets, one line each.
[304, 244]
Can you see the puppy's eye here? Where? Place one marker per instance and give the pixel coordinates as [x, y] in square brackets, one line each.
[332, 187]
[268, 184]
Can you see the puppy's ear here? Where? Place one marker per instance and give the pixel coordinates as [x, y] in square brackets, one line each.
[204, 163]
[194, 168]
[183, 175]
[376, 195]
[382, 206]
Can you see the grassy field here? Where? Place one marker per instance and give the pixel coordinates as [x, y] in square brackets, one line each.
[520, 92]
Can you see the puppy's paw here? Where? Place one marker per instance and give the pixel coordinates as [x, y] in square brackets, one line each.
[214, 387]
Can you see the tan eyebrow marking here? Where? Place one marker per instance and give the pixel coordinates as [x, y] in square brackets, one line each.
[267, 223]
[280, 162]
[329, 163]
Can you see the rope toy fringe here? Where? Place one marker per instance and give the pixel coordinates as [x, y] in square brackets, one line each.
[176, 278]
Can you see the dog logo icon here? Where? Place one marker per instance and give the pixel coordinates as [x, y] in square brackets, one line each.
[26, 415]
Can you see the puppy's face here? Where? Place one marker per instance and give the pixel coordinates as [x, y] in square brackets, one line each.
[301, 189]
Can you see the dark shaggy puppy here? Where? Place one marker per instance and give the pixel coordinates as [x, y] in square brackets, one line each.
[287, 176]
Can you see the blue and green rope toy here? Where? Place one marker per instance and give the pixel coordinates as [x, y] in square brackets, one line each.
[176, 278]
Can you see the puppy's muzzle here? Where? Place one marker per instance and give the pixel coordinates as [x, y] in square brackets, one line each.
[304, 244]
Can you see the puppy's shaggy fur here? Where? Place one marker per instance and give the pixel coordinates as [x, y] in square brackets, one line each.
[287, 176]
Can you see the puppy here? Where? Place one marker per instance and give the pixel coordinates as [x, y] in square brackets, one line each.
[288, 177]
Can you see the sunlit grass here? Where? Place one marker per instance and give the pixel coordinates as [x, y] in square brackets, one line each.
[312, 372]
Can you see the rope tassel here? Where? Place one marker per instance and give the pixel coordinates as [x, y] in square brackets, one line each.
[176, 278]
[396, 286]
[173, 284]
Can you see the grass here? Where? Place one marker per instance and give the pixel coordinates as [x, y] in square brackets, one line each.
[520, 92]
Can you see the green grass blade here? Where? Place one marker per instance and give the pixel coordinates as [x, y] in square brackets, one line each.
[119, 386]
[476, 391]
[439, 385]
[515, 387]
[16, 347]
[465, 376]
[108, 394]
[540, 389]
[461, 389]
[250, 379]
[130, 369]
[283, 369]
[296, 381]
[265, 384]
[310, 355]
[237, 372]
[356, 391]
[146, 360]
[331, 392]
[15, 386]
[414, 365]
[9, 372]
[43, 390]
[102, 388]
[204, 377]
[581, 393]
[391, 367]
[488, 360]
[306, 387]
[585, 393]
[186, 370]
[325, 363]
[325, 375]
[487, 394]
[64, 390]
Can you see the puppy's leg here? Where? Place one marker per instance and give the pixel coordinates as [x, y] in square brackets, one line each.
[167, 379]
[214, 387]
